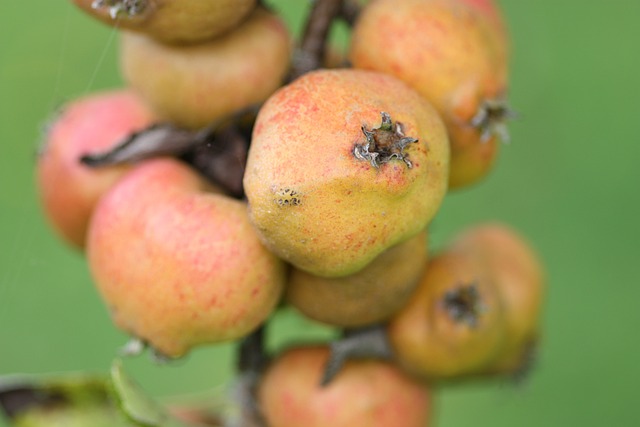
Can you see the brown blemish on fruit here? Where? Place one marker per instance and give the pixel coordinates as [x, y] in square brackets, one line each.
[288, 197]
[384, 143]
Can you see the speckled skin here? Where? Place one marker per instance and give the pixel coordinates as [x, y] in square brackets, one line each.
[197, 84]
[179, 21]
[313, 202]
[366, 393]
[369, 296]
[428, 342]
[69, 190]
[453, 52]
[519, 277]
[177, 264]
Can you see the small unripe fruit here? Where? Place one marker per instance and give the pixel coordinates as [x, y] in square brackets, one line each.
[454, 53]
[369, 296]
[171, 21]
[177, 264]
[343, 165]
[68, 189]
[366, 393]
[454, 325]
[195, 85]
[519, 278]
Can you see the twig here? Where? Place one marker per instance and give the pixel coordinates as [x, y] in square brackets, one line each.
[311, 51]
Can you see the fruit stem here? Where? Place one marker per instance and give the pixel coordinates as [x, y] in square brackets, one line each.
[350, 11]
[154, 141]
[252, 355]
[310, 53]
[218, 151]
[370, 342]
[252, 359]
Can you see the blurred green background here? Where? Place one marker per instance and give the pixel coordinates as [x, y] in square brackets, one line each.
[569, 182]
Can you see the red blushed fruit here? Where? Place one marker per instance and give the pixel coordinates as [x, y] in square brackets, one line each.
[455, 54]
[366, 393]
[68, 189]
[177, 264]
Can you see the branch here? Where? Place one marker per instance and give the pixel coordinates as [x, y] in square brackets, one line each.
[310, 54]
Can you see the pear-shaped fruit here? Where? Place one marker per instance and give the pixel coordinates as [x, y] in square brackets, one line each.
[171, 21]
[195, 85]
[369, 296]
[454, 53]
[454, 324]
[519, 278]
[476, 311]
[343, 165]
[177, 264]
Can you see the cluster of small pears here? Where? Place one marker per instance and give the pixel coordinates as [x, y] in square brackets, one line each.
[345, 171]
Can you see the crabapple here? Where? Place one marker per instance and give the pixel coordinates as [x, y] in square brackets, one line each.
[343, 165]
[68, 189]
[171, 21]
[366, 393]
[518, 276]
[454, 324]
[177, 264]
[369, 296]
[195, 85]
[454, 53]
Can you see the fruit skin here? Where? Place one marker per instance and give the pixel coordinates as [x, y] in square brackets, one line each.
[313, 202]
[195, 85]
[177, 264]
[369, 296]
[519, 276]
[69, 190]
[177, 21]
[454, 53]
[366, 393]
[435, 345]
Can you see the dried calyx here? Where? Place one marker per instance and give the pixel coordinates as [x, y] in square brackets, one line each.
[384, 143]
[464, 304]
[118, 8]
[491, 120]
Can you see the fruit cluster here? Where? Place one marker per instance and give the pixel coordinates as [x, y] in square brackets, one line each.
[236, 174]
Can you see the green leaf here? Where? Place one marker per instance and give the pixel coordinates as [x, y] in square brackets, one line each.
[133, 401]
[135, 404]
[75, 401]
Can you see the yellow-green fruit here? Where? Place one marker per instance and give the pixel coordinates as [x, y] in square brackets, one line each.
[335, 176]
[194, 85]
[369, 296]
[171, 21]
